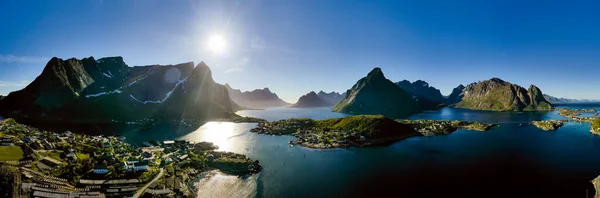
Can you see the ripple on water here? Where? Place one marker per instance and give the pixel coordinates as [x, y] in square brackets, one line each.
[217, 184]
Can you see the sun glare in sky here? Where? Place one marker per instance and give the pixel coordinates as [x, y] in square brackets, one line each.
[217, 44]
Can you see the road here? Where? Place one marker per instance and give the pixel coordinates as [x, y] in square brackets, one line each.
[141, 190]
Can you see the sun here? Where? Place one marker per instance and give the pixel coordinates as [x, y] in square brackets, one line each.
[217, 44]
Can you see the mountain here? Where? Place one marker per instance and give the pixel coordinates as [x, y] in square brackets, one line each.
[375, 94]
[498, 95]
[107, 89]
[428, 97]
[456, 95]
[311, 100]
[258, 98]
[554, 100]
[421, 89]
[332, 97]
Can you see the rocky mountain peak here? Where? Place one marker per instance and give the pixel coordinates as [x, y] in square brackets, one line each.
[376, 74]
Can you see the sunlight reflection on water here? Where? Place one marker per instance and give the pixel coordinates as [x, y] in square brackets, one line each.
[223, 134]
[217, 184]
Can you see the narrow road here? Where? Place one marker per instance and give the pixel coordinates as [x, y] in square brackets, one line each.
[141, 190]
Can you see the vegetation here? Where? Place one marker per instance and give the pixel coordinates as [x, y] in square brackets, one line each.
[82, 155]
[376, 95]
[573, 113]
[548, 125]
[595, 125]
[7, 174]
[498, 95]
[10, 153]
[444, 127]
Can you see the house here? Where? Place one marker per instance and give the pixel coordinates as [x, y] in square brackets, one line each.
[47, 145]
[181, 142]
[168, 142]
[6, 141]
[132, 160]
[183, 157]
[140, 166]
[29, 139]
[70, 155]
[107, 144]
[362, 138]
[101, 170]
[68, 133]
[37, 145]
[167, 160]
[146, 154]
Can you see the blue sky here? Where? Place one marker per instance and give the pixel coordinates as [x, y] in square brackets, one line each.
[294, 47]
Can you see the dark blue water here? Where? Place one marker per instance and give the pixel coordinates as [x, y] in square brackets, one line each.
[507, 161]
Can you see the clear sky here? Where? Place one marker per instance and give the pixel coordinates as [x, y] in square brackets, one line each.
[294, 47]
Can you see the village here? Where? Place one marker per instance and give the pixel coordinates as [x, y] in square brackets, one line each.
[66, 164]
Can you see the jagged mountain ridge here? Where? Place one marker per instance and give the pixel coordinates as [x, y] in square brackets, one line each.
[375, 94]
[321, 99]
[106, 89]
[258, 98]
[332, 97]
[498, 95]
[554, 100]
[311, 100]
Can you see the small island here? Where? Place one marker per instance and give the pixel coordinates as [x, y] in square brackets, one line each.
[444, 127]
[548, 125]
[360, 130]
[574, 113]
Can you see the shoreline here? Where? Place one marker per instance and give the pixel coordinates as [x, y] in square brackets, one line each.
[317, 137]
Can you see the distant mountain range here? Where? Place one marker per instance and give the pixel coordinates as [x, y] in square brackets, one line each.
[498, 95]
[107, 89]
[321, 99]
[256, 99]
[375, 94]
[556, 100]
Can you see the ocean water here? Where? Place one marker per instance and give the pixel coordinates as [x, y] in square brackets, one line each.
[508, 161]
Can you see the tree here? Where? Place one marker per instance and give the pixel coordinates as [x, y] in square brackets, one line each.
[111, 170]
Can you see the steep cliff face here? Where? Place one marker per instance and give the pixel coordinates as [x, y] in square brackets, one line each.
[258, 98]
[107, 89]
[498, 95]
[456, 95]
[374, 94]
[311, 100]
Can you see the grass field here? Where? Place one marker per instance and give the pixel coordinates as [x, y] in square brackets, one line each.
[54, 155]
[10, 153]
[82, 156]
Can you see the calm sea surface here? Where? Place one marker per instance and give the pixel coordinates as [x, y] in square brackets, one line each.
[507, 161]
